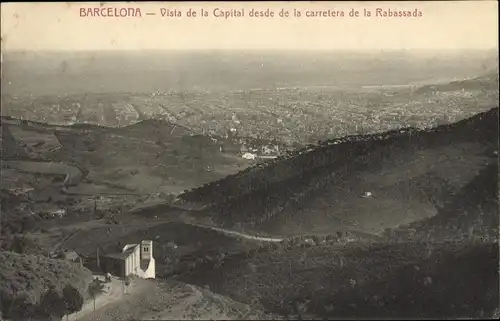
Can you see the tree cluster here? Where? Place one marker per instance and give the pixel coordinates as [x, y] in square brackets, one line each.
[51, 304]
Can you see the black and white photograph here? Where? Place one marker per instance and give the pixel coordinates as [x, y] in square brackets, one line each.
[249, 161]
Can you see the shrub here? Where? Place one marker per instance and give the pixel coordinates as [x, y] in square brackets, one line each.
[73, 299]
[52, 304]
[273, 247]
[19, 244]
[18, 309]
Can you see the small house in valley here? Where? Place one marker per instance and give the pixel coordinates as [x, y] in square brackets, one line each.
[134, 259]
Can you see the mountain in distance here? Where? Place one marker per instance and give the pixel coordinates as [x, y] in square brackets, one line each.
[488, 81]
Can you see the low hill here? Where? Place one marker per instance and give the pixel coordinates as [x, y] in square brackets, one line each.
[486, 82]
[367, 183]
[161, 163]
[165, 157]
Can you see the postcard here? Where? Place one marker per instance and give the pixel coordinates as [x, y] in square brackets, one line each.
[249, 160]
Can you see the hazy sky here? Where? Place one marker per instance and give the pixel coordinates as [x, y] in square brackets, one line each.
[58, 26]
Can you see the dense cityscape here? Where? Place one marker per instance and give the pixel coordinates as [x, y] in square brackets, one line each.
[286, 115]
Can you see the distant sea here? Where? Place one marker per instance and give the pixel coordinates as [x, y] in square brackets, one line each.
[60, 73]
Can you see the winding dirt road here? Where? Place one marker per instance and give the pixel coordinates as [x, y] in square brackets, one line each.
[239, 234]
[114, 292]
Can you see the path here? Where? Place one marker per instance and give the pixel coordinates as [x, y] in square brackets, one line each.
[274, 239]
[59, 243]
[238, 234]
[114, 292]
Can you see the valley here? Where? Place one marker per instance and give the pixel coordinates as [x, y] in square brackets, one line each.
[373, 199]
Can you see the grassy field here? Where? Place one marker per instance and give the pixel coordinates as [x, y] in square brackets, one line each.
[40, 142]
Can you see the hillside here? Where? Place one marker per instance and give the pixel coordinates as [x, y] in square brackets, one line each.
[171, 300]
[440, 264]
[441, 267]
[409, 175]
[167, 157]
[334, 281]
[460, 282]
[178, 246]
[487, 82]
[331, 150]
[68, 168]
[472, 212]
[24, 280]
[336, 151]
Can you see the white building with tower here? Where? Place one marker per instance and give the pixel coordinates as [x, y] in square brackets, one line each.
[134, 259]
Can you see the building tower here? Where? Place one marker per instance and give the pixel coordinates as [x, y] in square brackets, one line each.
[146, 250]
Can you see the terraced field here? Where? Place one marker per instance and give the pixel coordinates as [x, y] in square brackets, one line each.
[73, 175]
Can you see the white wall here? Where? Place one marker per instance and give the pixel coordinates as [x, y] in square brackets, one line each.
[150, 273]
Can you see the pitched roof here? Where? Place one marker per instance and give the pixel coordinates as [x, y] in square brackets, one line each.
[121, 255]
